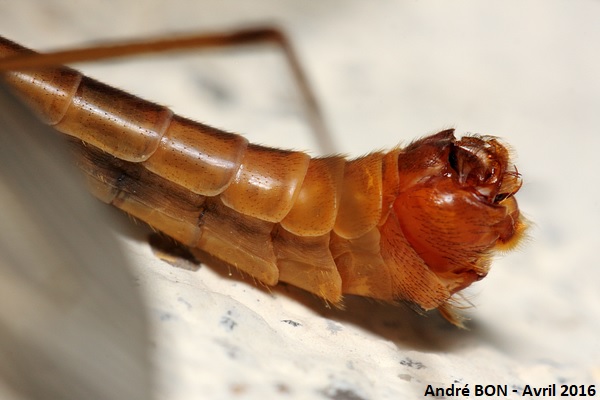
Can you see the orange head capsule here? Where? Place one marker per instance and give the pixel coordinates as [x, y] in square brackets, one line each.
[456, 205]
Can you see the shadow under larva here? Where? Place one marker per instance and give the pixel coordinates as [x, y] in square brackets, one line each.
[69, 312]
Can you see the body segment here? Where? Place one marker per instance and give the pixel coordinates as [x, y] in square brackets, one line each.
[416, 224]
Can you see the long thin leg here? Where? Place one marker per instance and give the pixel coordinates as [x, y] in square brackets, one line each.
[199, 41]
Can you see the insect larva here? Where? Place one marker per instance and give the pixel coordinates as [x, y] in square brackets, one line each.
[417, 224]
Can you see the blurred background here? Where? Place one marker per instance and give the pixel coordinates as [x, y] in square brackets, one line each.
[385, 73]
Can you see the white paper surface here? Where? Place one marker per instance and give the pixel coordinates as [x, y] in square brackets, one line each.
[385, 72]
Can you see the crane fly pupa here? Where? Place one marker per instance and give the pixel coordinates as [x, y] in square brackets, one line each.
[416, 224]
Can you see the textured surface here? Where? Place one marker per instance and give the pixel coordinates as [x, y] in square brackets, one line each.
[385, 73]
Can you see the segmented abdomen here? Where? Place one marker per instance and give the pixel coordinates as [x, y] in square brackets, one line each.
[277, 215]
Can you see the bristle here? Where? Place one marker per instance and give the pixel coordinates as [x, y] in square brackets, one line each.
[520, 236]
[450, 310]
